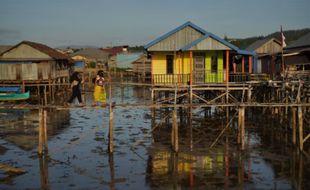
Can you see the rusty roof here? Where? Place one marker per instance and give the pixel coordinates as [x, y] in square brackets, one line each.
[43, 48]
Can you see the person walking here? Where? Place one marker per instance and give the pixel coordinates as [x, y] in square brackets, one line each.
[75, 81]
[100, 95]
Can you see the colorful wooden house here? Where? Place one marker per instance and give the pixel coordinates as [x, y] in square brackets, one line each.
[190, 55]
[266, 54]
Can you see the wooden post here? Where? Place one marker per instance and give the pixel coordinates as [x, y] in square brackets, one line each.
[242, 65]
[227, 66]
[110, 148]
[44, 172]
[23, 86]
[39, 93]
[179, 68]
[191, 67]
[241, 125]
[40, 145]
[294, 125]
[300, 123]
[49, 90]
[250, 64]
[175, 137]
[45, 131]
[249, 93]
[45, 95]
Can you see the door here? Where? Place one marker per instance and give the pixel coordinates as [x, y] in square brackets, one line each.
[199, 68]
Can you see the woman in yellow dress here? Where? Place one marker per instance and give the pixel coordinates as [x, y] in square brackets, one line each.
[100, 95]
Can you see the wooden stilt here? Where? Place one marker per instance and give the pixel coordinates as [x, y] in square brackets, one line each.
[44, 172]
[41, 125]
[300, 123]
[175, 138]
[45, 145]
[49, 90]
[249, 93]
[241, 126]
[294, 125]
[110, 148]
[45, 95]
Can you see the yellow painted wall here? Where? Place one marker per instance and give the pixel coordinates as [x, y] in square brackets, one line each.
[159, 66]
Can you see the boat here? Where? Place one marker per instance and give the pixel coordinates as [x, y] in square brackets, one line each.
[13, 93]
[14, 96]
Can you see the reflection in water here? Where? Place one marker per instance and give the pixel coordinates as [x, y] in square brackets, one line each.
[77, 157]
[20, 127]
[267, 162]
[44, 172]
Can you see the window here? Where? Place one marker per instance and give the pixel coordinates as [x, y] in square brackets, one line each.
[214, 64]
[169, 60]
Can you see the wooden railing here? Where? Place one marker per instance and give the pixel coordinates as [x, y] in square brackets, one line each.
[171, 78]
[239, 77]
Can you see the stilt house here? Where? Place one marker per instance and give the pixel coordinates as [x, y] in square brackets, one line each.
[31, 62]
[191, 55]
[266, 54]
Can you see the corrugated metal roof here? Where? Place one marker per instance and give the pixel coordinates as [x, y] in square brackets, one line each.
[257, 44]
[92, 53]
[43, 48]
[302, 42]
[195, 42]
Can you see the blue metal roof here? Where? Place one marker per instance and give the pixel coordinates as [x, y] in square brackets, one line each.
[170, 33]
[245, 52]
[206, 33]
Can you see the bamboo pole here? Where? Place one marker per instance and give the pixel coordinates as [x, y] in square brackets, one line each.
[175, 137]
[294, 125]
[45, 145]
[241, 129]
[110, 148]
[45, 96]
[41, 123]
[44, 172]
[300, 123]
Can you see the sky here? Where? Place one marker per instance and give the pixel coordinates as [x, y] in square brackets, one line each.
[104, 23]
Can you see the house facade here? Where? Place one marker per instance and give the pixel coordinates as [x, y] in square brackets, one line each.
[297, 58]
[90, 57]
[32, 62]
[266, 56]
[191, 55]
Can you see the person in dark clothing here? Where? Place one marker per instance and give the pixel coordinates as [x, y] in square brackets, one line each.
[75, 81]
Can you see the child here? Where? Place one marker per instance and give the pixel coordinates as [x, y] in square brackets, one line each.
[75, 81]
[99, 90]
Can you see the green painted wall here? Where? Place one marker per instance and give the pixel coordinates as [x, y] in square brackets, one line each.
[214, 77]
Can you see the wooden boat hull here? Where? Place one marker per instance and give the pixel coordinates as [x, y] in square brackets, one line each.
[14, 96]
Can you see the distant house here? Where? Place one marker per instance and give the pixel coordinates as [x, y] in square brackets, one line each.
[297, 57]
[266, 51]
[33, 62]
[190, 54]
[115, 53]
[142, 67]
[90, 57]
